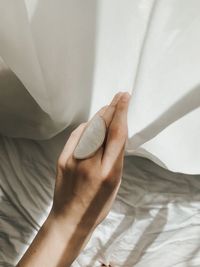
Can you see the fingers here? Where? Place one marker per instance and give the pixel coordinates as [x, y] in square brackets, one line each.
[117, 134]
[71, 144]
[76, 134]
[74, 138]
[106, 112]
[109, 112]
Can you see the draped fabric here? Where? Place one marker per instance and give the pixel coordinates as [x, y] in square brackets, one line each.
[153, 222]
[60, 61]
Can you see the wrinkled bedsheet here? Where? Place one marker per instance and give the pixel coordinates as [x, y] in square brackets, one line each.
[154, 221]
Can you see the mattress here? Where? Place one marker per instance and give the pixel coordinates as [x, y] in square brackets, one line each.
[154, 221]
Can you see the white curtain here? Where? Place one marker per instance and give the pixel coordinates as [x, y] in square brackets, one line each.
[68, 57]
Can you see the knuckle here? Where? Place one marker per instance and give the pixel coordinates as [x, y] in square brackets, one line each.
[114, 131]
[61, 164]
[110, 182]
[111, 179]
[122, 105]
[117, 132]
[65, 166]
[70, 164]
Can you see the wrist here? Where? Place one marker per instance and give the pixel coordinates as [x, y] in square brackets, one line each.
[65, 224]
[57, 243]
[73, 218]
[68, 238]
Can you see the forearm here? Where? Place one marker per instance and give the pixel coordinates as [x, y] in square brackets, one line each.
[84, 192]
[57, 244]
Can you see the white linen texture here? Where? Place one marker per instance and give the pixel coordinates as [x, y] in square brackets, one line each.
[61, 61]
[72, 56]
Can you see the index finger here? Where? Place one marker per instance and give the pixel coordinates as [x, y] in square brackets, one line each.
[110, 110]
[117, 134]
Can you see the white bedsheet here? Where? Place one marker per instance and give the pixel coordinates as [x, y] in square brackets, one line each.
[155, 220]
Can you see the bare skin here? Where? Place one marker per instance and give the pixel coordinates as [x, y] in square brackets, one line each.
[84, 193]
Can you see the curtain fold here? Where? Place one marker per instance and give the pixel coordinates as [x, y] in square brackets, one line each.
[70, 56]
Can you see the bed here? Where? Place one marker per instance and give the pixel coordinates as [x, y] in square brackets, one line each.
[57, 68]
[154, 221]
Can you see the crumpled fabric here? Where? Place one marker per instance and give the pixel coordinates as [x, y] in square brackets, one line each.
[153, 222]
[68, 58]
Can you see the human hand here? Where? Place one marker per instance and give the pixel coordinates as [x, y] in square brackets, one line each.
[84, 192]
[85, 189]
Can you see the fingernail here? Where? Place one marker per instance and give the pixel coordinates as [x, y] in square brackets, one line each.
[125, 97]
